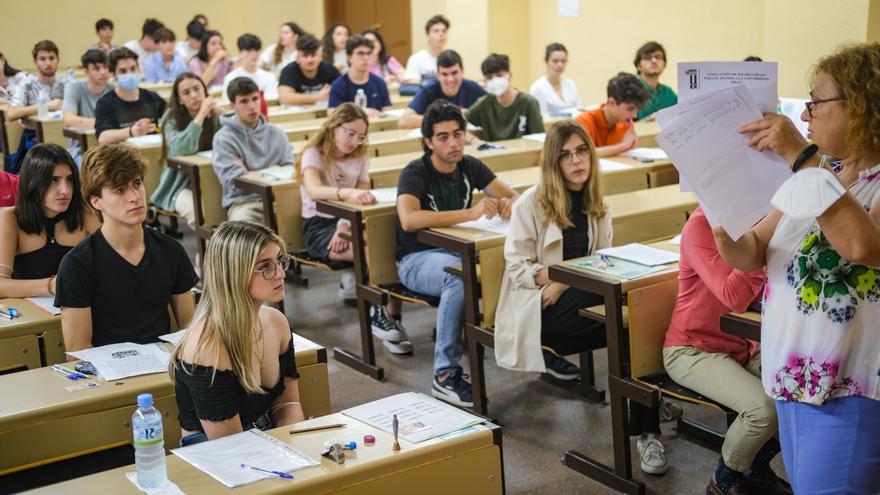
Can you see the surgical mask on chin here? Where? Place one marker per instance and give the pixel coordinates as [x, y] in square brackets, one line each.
[129, 82]
[497, 86]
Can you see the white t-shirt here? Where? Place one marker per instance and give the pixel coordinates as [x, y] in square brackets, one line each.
[268, 58]
[185, 51]
[142, 54]
[420, 64]
[265, 80]
[549, 99]
[340, 60]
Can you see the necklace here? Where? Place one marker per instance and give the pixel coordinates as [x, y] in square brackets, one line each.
[258, 345]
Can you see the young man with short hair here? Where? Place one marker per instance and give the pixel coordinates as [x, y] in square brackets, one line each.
[127, 111]
[81, 97]
[164, 65]
[145, 46]
[188, 48]
[307, 80]
[25, 100]
[450, 85]
[359, 79]
[422, 65]
[104, 30]
[611, 125]
[246, 141]
[117, 284]
[436, 191]
[249, 51]
[650, 62]
[504, 113]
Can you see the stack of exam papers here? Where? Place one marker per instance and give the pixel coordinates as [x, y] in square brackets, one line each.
[495, 224]
[641, 254]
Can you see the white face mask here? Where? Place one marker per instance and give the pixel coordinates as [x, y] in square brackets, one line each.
[497, 86]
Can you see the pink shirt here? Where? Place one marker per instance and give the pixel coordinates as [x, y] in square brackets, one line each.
[391, 68]
[8, 188]
[343, 173]
[709, 288]
[196, 66]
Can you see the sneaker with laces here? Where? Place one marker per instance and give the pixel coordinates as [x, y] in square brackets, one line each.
[652, 454]
[560, 367]
[347, 286]
[403, 346]
[454, 389]
[384, 327]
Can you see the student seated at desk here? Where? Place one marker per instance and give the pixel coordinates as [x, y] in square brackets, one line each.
[127, 111]
[164, 65]
[188, 48]
[104, 30]
[277, 56]
[436, 191]
[564, 216]
[650, 62]
[334, 165]
[382, 63]
[235, 368]
[307, 80]
[189, 126]
[145, 46]
[359, 81]
[81, 97]
[116, 285]
[211, 62]
[504, 113]
[723, 367]
[334, 43]
[611, 125]
[422, 65]
[449, 85]
[50, 218]
[556, 94]
[249, 53]
[246, 142]
[10, 79]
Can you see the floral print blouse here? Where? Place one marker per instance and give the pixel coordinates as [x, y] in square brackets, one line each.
[820, 332]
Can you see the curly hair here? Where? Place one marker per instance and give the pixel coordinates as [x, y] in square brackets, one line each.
[855, 70]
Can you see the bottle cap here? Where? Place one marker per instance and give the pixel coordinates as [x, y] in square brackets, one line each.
[369, 440]
[145, 400]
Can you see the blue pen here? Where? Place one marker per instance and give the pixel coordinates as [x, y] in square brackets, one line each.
[606, 259]
[67, 373]
[280, 474]
[10, 313]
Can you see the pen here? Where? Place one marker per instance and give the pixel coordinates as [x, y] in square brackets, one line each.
[606, 259]
[10, 313]
[317, 428]
[395, 426]
[280, 474]
[67, 374]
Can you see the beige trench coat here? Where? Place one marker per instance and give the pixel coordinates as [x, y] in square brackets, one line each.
[529, 247]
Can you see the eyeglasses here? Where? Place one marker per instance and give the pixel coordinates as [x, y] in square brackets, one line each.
[352, 134]
[269, 268]
[362, 54]
[654, 56]
[812, 103]
[567, 157]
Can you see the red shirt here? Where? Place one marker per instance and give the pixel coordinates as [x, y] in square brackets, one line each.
[8, 188]
[709, 288]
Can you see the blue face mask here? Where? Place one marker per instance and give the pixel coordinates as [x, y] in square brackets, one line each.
[129, 82]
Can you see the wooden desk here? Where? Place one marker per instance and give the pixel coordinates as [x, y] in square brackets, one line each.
[746, 325]
[86, 137]
[48, 130]
[207, 193]
[41, 422]
[464, 463]
[290, 113]
[650, 214]
[300, 130]
[381, 143]
[25, 339]
[152, 153]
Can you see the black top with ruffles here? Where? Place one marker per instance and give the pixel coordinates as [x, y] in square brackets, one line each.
[43, 262]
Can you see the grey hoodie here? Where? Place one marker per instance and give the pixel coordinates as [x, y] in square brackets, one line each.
[257, 148]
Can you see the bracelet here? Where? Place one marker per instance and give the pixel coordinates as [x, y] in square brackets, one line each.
[130, 134]
[276, 407]
[339, 193]
[803, 155]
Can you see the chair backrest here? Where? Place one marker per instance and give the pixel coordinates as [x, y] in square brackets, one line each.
[650, 310]
[491, 276]
[10, 135]
[210, 197]
[288, 214]
[381, 248]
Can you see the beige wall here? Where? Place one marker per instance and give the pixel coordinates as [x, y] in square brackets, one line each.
[874, 21]
[468, 34]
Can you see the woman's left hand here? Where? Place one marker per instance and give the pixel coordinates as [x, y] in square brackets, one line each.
[551, 294]
[777, 133]
[337, 243]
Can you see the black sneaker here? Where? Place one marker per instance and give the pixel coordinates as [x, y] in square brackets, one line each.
[384, 327]
[560, 368]
[454, 389]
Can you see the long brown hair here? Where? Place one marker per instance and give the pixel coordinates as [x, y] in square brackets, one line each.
[182, 118]
[279, 50]
[325, 141]
[552, 194]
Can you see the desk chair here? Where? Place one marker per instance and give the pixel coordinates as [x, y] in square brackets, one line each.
[10, 135]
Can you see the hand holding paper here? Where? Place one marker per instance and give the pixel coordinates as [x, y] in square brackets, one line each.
[777, 133]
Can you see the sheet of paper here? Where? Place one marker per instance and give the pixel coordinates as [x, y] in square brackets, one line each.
[222, 458]
[174, 338]
[734, 181]
[303, 344]
[278, 173]
[415, 133]
[793, 108]
[169, 488]
[619, 268]
[395, 112]
[647, 154]
[641, 254]
[385, 194]
[47, 303]
[116, 361]
[696, 79]
[608, 165]
[675, 241]
[207, 154]
[419, 417]
[495, 224]
[148, 140]
[539, 137]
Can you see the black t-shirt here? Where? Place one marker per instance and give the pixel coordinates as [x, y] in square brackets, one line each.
[439, 192]
[112, 112]
[128, 303]
[292, 76]
[575, 240]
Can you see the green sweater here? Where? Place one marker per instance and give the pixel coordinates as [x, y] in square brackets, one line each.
[185, 142]
[664, 97]
[521, 117]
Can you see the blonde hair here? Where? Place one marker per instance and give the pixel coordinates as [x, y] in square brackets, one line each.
[325, 140]
[552, 194]
[226, 308]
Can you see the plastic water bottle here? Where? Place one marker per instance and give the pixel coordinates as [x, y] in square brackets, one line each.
[149, 444]
[360, 98]
[70, 76]
[43, 105]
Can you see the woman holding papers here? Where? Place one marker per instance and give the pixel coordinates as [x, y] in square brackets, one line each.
[334, 166]
[187, 128]
[820, 335]
[235, 368]
[48, 220]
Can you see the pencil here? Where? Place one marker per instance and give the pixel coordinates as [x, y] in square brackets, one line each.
[317, 428]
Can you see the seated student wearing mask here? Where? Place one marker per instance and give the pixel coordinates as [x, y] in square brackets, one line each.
[611, 125]
[449, 85]
[359, 80]
[164, 65]
[249, 51]
[81, 97]
[307, 80]
[504, 113]
[246, 141]
[116, 286]
[435, 191]
[127, 111]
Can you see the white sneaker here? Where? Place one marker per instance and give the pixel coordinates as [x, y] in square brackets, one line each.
[400, 347]
[652, 454]
[347, 286]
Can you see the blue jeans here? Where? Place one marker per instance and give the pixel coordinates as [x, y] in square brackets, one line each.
[833, 448]
[423, 272]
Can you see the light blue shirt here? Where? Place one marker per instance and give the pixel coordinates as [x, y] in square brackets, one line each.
[155, 70]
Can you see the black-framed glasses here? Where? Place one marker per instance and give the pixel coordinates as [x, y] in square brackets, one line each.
[812, 103]
[268, 269]
[567, 157]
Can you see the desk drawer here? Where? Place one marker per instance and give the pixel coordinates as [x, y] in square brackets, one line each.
[20, 351]
[314, 390]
